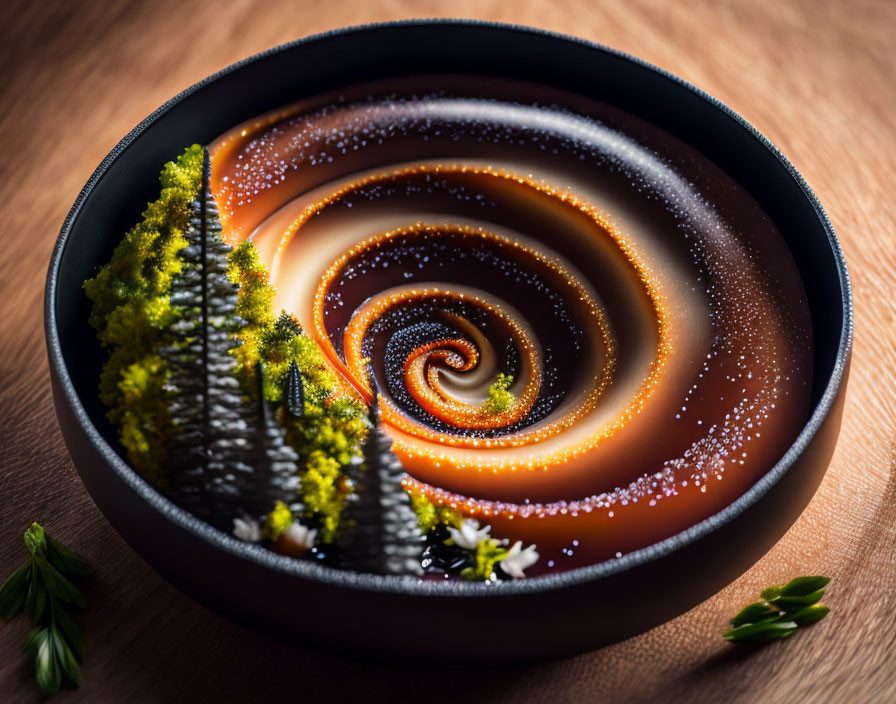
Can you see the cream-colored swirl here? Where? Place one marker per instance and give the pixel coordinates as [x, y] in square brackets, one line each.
[441, 240]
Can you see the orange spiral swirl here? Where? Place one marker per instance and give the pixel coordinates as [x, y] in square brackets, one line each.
[658, 358]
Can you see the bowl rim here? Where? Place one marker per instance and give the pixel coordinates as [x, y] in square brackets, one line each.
[407, 585]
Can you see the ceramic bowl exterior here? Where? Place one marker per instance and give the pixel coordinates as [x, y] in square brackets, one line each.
[381, 617]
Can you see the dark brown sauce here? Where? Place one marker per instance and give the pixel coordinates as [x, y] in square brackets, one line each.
[708, 342]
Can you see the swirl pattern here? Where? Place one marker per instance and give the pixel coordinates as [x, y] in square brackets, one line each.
[655, 333]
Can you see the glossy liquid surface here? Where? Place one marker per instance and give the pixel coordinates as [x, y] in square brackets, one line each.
[450, 228]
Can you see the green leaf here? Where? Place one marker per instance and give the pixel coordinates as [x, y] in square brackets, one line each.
[36, 600]
[35, 638]
[14, 591]
[801, 586]
[753, 613]
[46, 669]
[809, 615]
[35, 539]
[11, 607]
[771, 593]
[58, 585]
[56, 641]
[43, 585]
[65, 661]
[29, 647]
[72, 632]
[70, 667]
[760, 633]
[67, 561]
[789, 602]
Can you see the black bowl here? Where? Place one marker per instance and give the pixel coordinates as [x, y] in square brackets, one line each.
[381, 617]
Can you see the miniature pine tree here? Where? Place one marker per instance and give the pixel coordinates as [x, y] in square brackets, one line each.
[275, 477]
[294, 393]
[382, 534]
[209, 449]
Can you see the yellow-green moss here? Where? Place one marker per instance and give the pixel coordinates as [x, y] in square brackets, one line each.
[326, 438]
[500, 398]
[488, 554]
[323, 493]
[255, 303]
[329, 433]
[131, 311]
[284, 343]
[429, 515]
[143, 421]
[277, 521]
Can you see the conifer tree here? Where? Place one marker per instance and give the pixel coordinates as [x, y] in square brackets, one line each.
[209, 451]
[294, 392]
[382, 534]
[275, 477]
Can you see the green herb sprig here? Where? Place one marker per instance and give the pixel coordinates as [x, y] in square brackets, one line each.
[780, 612]
[42, 587]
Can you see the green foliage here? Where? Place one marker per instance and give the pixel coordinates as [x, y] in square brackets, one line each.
[489, 552]
[754, 613]
[803, 586]
[144, 424]
[132, 314]
[780, 612]
[323, 493]
[277, 521]
[255, 302]
[761, 633]
[284, 343]
[328, 435]
[809, 615]
[326, 438]
[131, 311]
[429, 515]
[500, 398]
[43, 588]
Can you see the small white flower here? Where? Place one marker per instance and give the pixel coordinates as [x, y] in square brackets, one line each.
[301, 536]
[519, 560]
[469, 534]
[247, 529]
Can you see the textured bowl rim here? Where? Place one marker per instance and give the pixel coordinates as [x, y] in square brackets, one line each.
[412, 586]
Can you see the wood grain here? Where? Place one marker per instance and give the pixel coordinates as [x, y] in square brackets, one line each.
[818, 77]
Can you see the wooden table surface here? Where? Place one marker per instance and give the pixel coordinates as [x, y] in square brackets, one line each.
[818, 77]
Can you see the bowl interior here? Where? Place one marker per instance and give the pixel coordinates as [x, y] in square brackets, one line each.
[114, 198]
